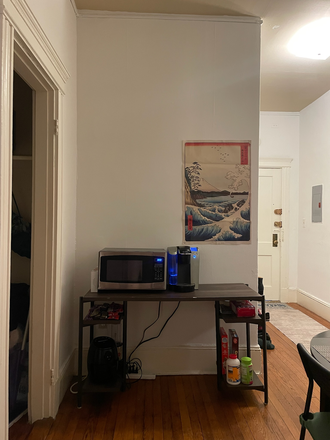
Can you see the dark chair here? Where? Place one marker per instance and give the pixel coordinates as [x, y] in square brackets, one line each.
[318, 424]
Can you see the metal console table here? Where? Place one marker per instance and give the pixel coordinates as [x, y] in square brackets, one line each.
[217, 293]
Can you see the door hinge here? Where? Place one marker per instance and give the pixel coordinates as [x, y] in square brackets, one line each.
[56, 127]
[52, 376]
[278, 211]
[278, 224]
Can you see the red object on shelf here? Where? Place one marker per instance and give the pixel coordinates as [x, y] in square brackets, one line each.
[243, 308]
[233, 342]
[224, 348]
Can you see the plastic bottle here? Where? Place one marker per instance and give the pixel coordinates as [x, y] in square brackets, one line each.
[246, 371]
[233, 370]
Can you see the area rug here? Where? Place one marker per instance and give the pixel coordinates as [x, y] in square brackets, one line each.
[294, 324]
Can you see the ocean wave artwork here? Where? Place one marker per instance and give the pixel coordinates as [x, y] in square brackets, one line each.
[217, 192]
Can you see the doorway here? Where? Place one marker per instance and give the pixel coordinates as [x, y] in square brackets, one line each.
[273, 218]
[269, 231]
[20, 248]
[16, 54]
[45, 236]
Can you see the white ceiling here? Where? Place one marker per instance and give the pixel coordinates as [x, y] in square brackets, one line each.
[288, 83]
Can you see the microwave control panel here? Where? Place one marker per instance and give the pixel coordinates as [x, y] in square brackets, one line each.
[159, 269]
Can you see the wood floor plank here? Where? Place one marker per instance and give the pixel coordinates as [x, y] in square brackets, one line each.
[223, 405]
[192, 410]
[40, 429]
[274, 420]
[148, 427]
[259, 420]
[157, 411]
[200, 409]
[177, 431]
[216, 417]
[21, 429]
[233, 400]
[184, 412]
[139, 389]
[166, 408]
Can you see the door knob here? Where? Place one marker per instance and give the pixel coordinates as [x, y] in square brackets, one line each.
[275, 240]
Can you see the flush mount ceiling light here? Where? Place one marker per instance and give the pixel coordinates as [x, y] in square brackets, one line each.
[312, 41]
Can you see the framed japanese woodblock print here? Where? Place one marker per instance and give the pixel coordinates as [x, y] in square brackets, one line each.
[217, 191]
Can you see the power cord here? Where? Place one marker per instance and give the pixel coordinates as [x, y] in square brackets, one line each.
[71, 388]
[144, 331]
[135, 365]
[160, 332]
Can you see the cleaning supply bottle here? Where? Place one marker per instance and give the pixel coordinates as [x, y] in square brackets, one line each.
[233, 370]
[246, 370]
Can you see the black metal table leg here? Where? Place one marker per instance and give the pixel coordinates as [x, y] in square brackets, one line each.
[264, 341]
[248, 339]
[218, 344]
[91, 329]
[80, 345]
[123, 386]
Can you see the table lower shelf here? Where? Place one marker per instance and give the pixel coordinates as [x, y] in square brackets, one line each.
[256, 385]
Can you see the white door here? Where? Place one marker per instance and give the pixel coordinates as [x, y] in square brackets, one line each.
[269, 234]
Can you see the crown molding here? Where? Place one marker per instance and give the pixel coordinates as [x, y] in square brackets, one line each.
[33, 25]
[272, 113]
[74, 7]
[85, 13]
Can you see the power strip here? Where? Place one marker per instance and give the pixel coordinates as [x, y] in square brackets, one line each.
[132, 369]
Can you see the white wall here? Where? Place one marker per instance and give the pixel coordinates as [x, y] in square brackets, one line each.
[279, 138]
[314, 248]
[144, 86]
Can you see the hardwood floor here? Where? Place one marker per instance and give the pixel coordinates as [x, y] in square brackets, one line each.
[188, 407]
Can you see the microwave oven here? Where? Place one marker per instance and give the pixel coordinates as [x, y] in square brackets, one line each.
[132, 269]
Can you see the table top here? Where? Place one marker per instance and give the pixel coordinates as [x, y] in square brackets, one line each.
[205, 292]
[320, 348]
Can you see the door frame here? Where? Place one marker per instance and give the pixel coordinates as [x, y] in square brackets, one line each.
[46, 226]
[46, 231]
[284, 164]
[6, 84]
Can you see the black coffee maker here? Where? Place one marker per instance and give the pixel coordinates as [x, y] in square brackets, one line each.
[102, 361]
[183, 268]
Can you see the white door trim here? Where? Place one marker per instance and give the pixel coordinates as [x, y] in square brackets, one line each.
[284, 164]
[6, 55]
[46, 232]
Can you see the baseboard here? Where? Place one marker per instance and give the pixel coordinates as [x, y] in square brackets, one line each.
[184, 360]
[289, 295]
[64, 379]
[314, 304]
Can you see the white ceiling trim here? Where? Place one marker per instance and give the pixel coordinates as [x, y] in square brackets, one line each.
[75, 10]
[85, 13]
[266, 113]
